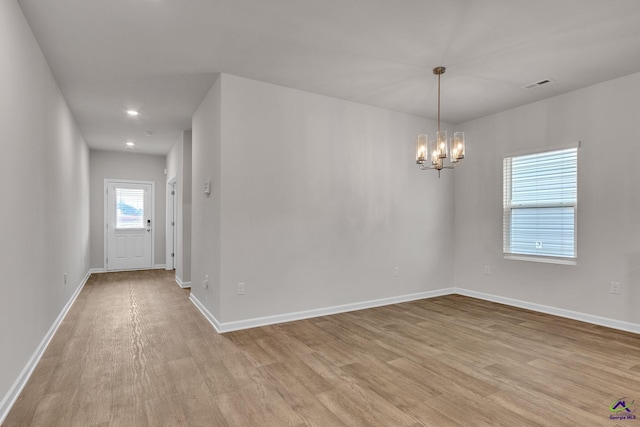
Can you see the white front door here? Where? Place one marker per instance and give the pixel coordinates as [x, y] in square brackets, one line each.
[129, 226]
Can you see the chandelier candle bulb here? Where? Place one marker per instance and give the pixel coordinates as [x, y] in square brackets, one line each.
[434, 157]
[421, 148]
[441, 141]
[457, 147]
[454, 151]
[458, 140]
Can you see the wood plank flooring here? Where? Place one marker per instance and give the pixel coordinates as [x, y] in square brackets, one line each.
[134, 351]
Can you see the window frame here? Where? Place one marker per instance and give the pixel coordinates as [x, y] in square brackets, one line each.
[508, 208]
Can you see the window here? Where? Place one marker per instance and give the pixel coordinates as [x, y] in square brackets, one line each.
[540, 204]
[129, 208]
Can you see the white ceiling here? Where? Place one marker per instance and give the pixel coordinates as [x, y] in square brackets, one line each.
[161, 56]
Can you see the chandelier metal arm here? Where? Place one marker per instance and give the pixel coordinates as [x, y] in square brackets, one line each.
[423, 167]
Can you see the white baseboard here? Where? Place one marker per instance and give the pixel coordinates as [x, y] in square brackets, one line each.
[223, 327]
[103, 270]
[12, 395]
[583, 317]
[182, 284]
[205, 312]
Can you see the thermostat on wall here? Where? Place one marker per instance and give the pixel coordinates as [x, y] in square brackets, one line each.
[207, 188]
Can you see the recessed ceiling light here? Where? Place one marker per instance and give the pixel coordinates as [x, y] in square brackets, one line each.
[132, 112]
[130, 144]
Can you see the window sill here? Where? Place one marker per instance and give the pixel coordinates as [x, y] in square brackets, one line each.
[548, 260]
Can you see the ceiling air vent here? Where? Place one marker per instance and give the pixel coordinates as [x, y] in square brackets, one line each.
[538, 84]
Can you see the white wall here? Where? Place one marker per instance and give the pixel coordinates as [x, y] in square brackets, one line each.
[184, 232]
[174, 160]
[127, 166]
[44, 219]
[205, 215]
[320, 200]
[179, 167]
[604, 117]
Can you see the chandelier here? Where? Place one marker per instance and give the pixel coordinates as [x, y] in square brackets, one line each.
[430, 154]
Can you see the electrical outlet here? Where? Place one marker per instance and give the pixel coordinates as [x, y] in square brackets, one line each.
[240, 288]
[396, 271]
[65, 278]
[487, 269]
[615, 288]
[205, 282]
[538, 245]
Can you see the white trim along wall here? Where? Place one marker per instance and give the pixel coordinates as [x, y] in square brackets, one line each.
[223, 327]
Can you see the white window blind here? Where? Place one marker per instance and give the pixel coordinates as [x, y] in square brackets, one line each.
[540, 205]
[129, 208]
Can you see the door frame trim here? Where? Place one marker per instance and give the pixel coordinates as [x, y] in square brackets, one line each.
[170, 233]
[107, 182]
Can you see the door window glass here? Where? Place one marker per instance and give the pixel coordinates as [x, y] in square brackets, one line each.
[129, 208]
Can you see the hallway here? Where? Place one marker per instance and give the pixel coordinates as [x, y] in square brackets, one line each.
[132, 351]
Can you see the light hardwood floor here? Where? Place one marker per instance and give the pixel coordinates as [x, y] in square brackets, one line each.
[133, 351]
